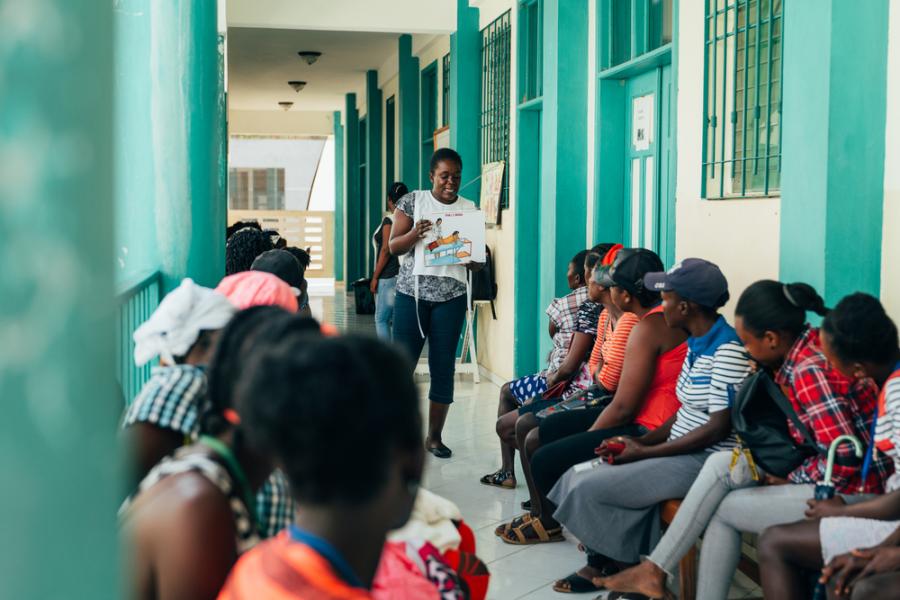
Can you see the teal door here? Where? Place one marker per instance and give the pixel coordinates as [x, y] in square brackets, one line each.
[649, 208]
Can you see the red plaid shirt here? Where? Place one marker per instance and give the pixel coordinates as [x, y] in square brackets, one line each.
[830, 405]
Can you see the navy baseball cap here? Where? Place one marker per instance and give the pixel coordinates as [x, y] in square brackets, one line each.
[283, 265]
[629, 268]
[693, 279]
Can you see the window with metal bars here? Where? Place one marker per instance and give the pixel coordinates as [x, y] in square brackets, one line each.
[495, 66]
[445, 90]
[742, 107]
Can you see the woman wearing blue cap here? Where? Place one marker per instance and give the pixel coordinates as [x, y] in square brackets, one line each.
[611, 503]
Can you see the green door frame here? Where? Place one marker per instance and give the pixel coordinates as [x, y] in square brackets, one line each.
[428, 108]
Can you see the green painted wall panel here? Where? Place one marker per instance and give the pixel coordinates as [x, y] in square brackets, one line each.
[354, 209]
[58, 451]
[465, 97]
[339, 218]
[408, 111]
[609, 186]
[374, 210]
[833, 147]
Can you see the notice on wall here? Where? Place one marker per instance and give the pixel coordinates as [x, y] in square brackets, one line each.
[491, 189]
[456, 238]
[642, 122]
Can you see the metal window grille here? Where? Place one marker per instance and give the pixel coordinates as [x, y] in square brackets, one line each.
[742, 107]
[495, 66]
[445, 90]
[531, 18]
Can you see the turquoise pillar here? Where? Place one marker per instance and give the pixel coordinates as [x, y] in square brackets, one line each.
[835, 65]
[170, 114]
[376, 189]
[354, 212]
[408, 111]
[338, 197]
[563, 202]
[465, 97]
[58, 431]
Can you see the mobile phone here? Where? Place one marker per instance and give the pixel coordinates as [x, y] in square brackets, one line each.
[615, 447]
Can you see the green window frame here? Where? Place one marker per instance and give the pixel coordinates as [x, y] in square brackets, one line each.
[495, 99]
[531, 28]
[363, 185]
[390, 140]
[742, 98]
[632, 28]
[445, 90]
[428, 115]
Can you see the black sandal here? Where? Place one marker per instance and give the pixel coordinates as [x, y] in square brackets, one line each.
[500, 479]
[441, 451]
[526, 505]
[576, 585]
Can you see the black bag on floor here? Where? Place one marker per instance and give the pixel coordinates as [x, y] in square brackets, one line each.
[484, 285]
[365, 301]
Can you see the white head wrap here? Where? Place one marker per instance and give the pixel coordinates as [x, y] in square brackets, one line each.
[176, 324]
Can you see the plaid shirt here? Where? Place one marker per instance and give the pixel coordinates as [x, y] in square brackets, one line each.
[829, 405]
[564, 314]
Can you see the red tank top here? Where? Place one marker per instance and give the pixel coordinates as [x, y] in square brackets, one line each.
[661, 401]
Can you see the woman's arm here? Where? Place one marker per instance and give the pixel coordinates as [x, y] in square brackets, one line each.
[884, 508]
[578, 350]
[638, 370]
[404, 234]
[713, 431]
[383, 256]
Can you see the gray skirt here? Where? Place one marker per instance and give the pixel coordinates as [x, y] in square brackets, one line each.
[614, 509]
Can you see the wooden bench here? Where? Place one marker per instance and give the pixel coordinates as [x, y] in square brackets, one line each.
[687, 568]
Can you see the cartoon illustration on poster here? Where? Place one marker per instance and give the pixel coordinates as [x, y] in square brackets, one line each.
[456, 238]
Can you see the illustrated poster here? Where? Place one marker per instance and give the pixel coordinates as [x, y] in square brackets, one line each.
[456, 238]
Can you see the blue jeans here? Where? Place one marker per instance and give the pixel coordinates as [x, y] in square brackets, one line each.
[442, 323]
[384, 307]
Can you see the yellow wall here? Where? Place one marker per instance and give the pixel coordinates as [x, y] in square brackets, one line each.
[890, 252]
[741, 236]
[275, 123]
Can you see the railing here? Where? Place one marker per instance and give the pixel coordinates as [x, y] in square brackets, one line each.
[301, 228]
[135, 303]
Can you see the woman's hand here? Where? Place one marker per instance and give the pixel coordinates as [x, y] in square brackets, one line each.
[847, 569]
[373, 287]
[774, 480]
[819, 509]
[422, 228]
[633, 451]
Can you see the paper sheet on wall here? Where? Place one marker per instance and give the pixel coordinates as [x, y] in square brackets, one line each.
[456, 238]
[642, 122]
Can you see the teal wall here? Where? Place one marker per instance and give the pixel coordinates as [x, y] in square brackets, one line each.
[408, 113]
[169, 123]
[354, 210]
[465, 97]
[835, 63]
[374, 210]
[339, 220]
[59, 458]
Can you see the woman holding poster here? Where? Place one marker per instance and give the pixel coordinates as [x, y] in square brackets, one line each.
[431, 298]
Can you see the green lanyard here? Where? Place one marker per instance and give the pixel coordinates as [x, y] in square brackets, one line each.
[225, 453]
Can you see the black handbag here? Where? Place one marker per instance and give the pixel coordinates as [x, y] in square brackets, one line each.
[759, 415]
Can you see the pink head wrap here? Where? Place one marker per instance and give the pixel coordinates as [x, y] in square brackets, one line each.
[256, 288]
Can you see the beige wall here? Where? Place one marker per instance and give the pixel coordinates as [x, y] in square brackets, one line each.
[890, 253]
[291, 123]
[741, 236]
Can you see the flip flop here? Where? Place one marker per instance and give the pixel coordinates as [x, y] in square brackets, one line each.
[441, 451]
[501, 479]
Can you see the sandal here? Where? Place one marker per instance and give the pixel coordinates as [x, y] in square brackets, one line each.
[441, 451]
[575, 584]
[526, 505]
[500, 479]
[501, 530]
[516, 535]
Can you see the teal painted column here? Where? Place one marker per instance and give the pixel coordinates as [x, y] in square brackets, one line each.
[835, 65]
[338, 197]
[376, 193]
[170, 115]
[354, 211]
[60, 460]
[408, 112]
[465, 97]
[563, 209]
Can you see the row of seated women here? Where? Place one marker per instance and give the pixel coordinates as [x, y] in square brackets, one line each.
[248, 480]
[646, 391]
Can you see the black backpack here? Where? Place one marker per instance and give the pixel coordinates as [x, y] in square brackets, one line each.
[759, 414]
[484, 286]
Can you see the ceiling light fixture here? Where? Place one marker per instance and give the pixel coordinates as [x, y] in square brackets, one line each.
[285, 106]
[297, 85]
[310, 56]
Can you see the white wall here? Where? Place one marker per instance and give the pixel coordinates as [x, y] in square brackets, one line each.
[275, 123]
[741, 236]
[890, 252]
[323, 192]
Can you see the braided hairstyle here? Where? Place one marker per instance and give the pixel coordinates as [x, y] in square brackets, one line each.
[230, 231]
[301, 255]
[859, 330]
[243, 247]
[774, 306]
[396, 191]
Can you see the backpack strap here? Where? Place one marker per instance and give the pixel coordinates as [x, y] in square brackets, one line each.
[787, 408]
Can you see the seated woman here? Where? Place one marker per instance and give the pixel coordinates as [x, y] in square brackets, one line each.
[563, 313]
[860, 341]
[347, 501]
[770, 319]
[194, 512]
[644, 397]
[613, 507]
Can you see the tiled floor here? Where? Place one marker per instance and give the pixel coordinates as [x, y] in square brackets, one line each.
[517, 572]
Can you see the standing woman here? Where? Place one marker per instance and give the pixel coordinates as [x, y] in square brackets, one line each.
[387, 266]
[431, 302]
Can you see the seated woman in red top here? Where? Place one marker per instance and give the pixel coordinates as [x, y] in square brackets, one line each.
[322, 396]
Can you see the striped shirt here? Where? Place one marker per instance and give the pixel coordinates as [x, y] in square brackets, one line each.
[609, 348]
[563, 312]
[887, 431]
[715, 364]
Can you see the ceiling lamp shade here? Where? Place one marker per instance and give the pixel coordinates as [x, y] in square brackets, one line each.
[310, 56]
[285, 106]
[297, 85]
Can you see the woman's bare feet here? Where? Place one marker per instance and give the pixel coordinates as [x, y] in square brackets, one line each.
[645, 578]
